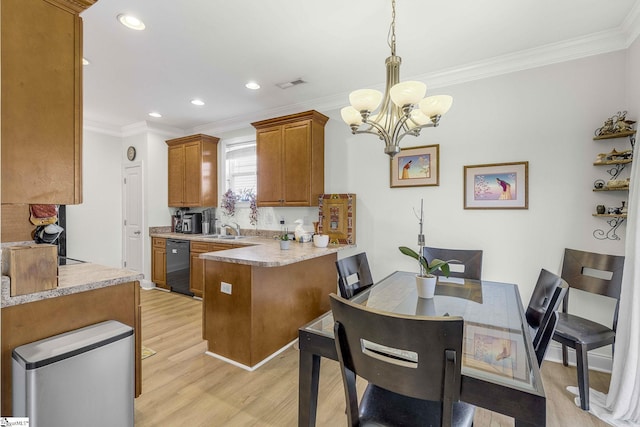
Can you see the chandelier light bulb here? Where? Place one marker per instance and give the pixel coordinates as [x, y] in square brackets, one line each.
[418, 118]
[407, 93]
[436, 105]
[365, 99]
[351, 116]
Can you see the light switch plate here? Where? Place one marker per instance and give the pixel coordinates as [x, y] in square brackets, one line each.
[225, 288]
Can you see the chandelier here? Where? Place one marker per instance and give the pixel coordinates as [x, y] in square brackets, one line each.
[404, 110]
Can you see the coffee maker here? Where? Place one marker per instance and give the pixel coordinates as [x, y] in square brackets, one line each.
[192, 223]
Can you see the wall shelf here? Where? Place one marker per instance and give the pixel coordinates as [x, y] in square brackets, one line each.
[617, 166]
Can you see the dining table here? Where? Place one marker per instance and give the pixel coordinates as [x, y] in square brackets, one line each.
[500, 371]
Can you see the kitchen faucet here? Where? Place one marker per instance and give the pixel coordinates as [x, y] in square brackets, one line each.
[235, 226]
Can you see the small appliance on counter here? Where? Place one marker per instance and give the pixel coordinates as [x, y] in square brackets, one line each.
[192, 223]
[177, 219]
[208, 221]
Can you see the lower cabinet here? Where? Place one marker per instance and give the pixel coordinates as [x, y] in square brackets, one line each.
[196, 265]
[159, 262]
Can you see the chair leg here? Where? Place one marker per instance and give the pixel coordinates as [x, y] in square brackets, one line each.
[582, 366]
[565, 356]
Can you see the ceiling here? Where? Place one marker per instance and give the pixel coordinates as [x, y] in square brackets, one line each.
[209, 49]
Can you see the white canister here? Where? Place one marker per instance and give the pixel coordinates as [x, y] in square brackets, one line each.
[320, 240]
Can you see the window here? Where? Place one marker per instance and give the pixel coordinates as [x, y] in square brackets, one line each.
[240, 167]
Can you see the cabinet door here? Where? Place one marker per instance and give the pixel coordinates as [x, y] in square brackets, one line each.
[176, 175]
[159, 267]
[192, 174]
[269, 167]
[41, 103]
[297, 163]
[196, 274]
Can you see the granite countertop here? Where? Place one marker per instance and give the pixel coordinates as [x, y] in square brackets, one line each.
[257, 251]
[244, 241]
[72, 279]
[267, 253]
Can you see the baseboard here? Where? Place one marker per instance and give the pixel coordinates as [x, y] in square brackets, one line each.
[254, 367]
[597, 362]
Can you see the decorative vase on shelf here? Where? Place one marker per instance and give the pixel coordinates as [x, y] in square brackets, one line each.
[426, 286]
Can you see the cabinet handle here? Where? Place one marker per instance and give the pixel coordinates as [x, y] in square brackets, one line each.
[136, 232]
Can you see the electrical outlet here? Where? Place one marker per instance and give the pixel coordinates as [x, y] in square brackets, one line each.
[225, 288]
[281, 220]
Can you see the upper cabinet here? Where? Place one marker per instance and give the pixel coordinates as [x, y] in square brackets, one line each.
[41, 54]
[290, 155]
[193, 169]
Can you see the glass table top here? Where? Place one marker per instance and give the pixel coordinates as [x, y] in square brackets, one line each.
[495, 346]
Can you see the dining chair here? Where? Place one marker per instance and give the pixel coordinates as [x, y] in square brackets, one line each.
[598, 274]
[412, 365]
[469, 261]
[541, 313]
[354, 275]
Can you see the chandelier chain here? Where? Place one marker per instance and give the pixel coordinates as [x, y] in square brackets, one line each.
[392, 29]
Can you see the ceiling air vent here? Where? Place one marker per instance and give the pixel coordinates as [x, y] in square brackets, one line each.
[292, 83]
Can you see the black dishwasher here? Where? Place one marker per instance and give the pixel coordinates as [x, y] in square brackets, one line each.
[178, 266]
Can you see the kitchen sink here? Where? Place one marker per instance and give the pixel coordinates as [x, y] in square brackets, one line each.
[224, 237]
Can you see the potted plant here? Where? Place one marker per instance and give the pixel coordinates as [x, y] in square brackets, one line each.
[425, 280]
[284, 241]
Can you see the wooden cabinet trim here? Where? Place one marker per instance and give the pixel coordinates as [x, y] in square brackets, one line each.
[311, 115]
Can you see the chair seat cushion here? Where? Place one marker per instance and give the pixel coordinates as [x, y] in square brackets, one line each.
[380, 407]
[583, 331]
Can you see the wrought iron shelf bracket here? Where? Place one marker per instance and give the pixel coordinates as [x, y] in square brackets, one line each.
[614, 222]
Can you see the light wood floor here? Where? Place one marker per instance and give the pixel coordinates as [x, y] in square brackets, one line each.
[181, 386]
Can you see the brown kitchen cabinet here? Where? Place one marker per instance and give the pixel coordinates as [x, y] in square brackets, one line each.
[159, 262]
[41, 55]
[196, 265]
[290, 159]
[193, 169]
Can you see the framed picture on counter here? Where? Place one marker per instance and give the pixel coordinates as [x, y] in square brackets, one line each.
[416, 167]
[496, 186]
[337, 217]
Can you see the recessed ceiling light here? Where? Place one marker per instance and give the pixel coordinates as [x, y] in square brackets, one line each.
[197, 102]
[252, 86]
[131, 21]
[154, 114]
[85, 61]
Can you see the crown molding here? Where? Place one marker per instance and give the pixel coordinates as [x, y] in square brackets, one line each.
[146, 127]
[132, 129]
[100, 127]
[631, 24]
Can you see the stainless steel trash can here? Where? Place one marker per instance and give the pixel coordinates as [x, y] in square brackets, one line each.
[80, 378]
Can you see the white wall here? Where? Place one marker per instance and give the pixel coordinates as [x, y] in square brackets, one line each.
[93, 227]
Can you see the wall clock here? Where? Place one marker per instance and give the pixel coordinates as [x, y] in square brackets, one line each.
[131, 153]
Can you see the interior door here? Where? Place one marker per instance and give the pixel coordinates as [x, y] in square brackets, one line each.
[133, 218]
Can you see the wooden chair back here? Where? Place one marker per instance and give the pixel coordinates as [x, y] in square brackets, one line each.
[541, 313]
[415, 356]
[595, 273]
[470, 261]
[358, 266]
